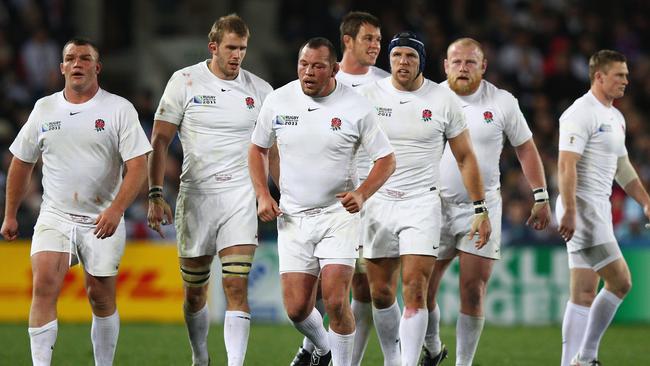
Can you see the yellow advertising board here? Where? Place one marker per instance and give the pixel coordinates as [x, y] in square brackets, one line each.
[149, 286]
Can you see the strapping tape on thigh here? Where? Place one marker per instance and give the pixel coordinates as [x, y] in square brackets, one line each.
[195, 276]
[236, 265]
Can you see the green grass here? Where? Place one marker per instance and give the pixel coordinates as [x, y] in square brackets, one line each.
[152, 344]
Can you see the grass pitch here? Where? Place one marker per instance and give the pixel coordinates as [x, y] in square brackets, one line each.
[155, 344]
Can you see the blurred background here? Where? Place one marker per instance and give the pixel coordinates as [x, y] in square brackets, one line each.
[536, 49]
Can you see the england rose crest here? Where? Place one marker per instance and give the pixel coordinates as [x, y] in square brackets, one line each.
[336, 124]
[99, 125]
[250, 103]
[488, 117]
[426, 115]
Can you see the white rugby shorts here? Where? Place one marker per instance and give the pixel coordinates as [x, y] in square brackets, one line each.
[206, 223]
[396, 227]
[595, 257]
[457, 221]
[593, 223]
[59, 232]
[309, 241]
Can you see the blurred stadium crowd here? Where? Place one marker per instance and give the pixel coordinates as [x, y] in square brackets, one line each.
[536, 49]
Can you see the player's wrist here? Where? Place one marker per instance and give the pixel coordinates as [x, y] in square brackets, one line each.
[155, 193]
[480, 208]
[541, 195]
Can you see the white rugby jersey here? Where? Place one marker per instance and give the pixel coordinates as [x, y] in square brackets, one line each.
[492, 115]
[417, 124]
[84, 147]
[318, 139]
[597, 133]
[352, 80]
[215, 120]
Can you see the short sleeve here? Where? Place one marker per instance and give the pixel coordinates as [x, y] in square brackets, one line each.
[515, 125]
[263, 134]
[574, 133]
[26, 147]
[455, 117]
[132, 139]
[172, 103]
[373, 139]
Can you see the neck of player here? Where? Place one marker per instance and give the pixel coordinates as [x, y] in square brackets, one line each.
[350, 65]
[602, 97]
[75, 96]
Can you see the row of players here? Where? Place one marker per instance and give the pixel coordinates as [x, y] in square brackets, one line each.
[308, 134]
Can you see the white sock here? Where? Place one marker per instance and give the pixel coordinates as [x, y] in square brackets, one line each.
[236, 326]
[341, 348]
[307, 345]
[432, 337]
[198, 325]
[103, 333]
[387, 326]
[42, 341]
[313, 328]
[468, 332]
[411, 334]
[573, 329]
[363, 323]
[601, 314]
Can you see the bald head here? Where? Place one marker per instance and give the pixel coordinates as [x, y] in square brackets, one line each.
[466, 43]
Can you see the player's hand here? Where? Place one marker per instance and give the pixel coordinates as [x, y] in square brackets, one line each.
[267, 208]
[567, 225]
[481, 226]
[107, 222]
[352, 200]
[9, 229]
[159, 213]
[540, 215]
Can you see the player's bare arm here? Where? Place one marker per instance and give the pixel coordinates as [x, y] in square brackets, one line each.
[135, 177]
[531, 165]
[628, 179]
[258, 164]
[380, 172]
[567, 177]
[461, 147]
[159, 211]
[18, 178]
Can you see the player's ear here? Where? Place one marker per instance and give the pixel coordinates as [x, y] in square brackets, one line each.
[212, 47]
[335, 69]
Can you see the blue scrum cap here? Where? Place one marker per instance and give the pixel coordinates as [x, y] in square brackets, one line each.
[411, 40]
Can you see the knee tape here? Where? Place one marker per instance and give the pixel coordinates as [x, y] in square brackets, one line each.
[195, 276]
[236, 265]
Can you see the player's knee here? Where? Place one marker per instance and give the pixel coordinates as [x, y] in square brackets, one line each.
[335, 307]
[195, 276]
[235, 290]
[101, 303]
[297, 312]
[621, 288]
[383, 296]
[473, 294]
[236, 266]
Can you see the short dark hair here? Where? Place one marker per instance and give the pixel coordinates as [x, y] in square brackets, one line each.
[353, 21]
[230, 23]
[318, 42]
[601, 60]
[80, 41]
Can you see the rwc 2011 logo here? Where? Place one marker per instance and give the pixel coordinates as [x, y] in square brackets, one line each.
[488, 117]
[426, 115]
[250, 103]
[336, 124]
[99, 125]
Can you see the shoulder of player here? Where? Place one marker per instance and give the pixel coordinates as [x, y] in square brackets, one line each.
[381, 73]
[256, 81]
[582, 110]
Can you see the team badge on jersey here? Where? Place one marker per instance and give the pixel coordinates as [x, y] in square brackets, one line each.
[488, 117]
[99, 125]
[204, 99]
[426, 115]
[336, 124]
[50, 126]
[384, 112]
[286, 121]
[250, 103]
